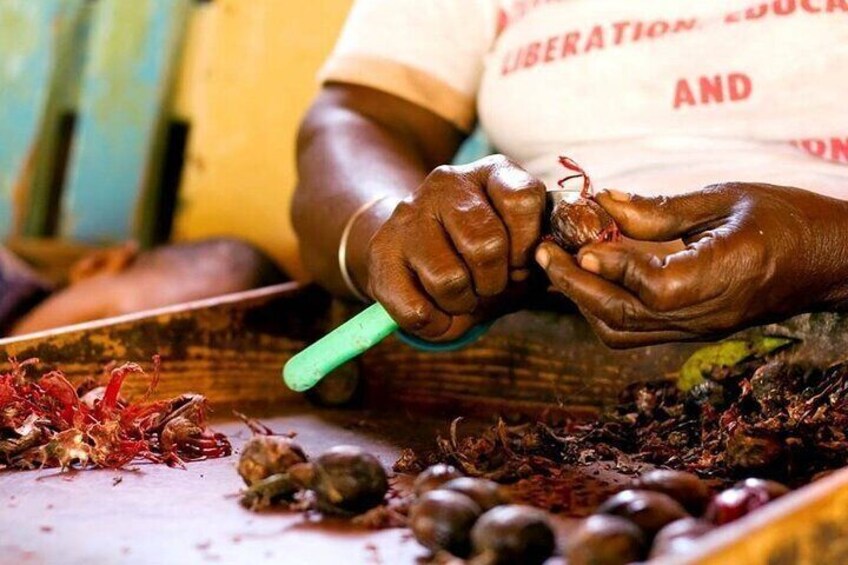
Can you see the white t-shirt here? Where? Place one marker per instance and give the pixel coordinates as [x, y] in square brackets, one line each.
[649, 96]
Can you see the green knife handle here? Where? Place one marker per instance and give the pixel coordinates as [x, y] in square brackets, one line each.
[354, 337]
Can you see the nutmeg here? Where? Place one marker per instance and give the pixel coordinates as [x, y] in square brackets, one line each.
[575, 224]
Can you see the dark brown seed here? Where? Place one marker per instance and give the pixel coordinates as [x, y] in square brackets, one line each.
[687, 489]
[347, 480]
[650, 511]
[441, 520]
[263, 456]
[487, 494]
[605, 540]
[678, 537]
[575, 224]
[434, 477]
[514, 534]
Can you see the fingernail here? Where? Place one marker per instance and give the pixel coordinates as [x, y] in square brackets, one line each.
[618, 195]
[543, 258]
[591, 263]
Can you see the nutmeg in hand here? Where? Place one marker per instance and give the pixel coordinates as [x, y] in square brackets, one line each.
[575, 224]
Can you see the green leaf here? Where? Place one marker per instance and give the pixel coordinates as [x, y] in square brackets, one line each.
[726, 354]
[765, 345]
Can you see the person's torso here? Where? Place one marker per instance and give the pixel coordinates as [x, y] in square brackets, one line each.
[664, 96]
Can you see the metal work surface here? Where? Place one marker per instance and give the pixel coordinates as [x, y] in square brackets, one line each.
[156, 514]
[231, 350]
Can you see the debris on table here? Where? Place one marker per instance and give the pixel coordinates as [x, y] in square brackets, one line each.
[749, 416]
[47, 422]
[741, 414]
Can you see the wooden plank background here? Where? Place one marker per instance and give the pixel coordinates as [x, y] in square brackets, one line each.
[240, 86]
[38, 50]
[132, 56]
[230, 349]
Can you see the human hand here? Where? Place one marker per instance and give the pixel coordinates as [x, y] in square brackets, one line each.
[754, 252]
[457, 248]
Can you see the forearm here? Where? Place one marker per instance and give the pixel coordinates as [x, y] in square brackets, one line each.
[349, 153]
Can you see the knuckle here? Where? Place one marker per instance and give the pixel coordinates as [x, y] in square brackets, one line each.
[444, 185]
[415, 315]
[441, 173]
[488, 250]
[401, 215]
[452, 282]
[526, 200]
[725, 189]
[496, 160]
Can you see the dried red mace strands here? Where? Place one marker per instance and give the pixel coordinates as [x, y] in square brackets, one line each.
[45, 422]
[583, 221]
[571, 165]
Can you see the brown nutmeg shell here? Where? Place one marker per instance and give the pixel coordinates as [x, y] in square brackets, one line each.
[583, 221]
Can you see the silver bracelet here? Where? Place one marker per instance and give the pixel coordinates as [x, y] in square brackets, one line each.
[346, 277]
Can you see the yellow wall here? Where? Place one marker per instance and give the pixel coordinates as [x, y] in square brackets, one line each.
[249, 75]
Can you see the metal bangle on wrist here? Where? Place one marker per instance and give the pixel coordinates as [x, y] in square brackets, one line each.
[343, 269]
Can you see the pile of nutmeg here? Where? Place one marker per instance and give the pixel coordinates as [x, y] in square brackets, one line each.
[663, 513]
[466, 516]
[453, 516]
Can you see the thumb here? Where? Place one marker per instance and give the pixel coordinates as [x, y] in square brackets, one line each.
[665, 218]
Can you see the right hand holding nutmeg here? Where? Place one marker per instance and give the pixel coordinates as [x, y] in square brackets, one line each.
[458, 247]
